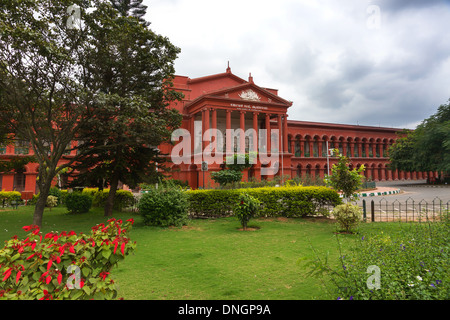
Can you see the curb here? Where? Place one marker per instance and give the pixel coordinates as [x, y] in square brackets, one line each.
[375, 193]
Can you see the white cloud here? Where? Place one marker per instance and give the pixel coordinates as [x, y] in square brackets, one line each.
[320, 54]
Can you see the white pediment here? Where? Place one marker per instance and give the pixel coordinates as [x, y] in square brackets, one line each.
[249, 95]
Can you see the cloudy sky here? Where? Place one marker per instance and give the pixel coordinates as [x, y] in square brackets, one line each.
[381, 63]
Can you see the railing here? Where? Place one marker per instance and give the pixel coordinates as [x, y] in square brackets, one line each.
[407, 211]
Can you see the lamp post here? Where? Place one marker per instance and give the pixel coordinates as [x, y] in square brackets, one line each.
[330, 153]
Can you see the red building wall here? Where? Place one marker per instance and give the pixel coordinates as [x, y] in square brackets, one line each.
[226, 101]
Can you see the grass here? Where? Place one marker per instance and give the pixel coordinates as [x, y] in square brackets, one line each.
[208, 259]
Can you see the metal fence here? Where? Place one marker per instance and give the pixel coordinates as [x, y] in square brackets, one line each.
[407, 211]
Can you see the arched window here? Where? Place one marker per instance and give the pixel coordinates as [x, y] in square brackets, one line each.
[19, 180]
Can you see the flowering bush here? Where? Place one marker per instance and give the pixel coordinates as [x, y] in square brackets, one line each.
[64, 265]
[246, 208]
[412, 265]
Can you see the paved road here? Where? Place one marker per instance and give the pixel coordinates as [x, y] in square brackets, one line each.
[415, 190]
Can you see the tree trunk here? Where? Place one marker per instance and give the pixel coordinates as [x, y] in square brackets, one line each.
[40, 204]
[109, 205]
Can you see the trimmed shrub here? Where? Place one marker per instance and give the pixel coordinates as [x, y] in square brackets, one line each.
[52, 201]
[44, 267]
[122, 199]
[348, 216]
[246, 209]
[6, 197]
[164, 207]
[78, 202]
[275, 201]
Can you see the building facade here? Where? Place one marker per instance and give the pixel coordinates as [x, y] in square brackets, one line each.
[224, 114]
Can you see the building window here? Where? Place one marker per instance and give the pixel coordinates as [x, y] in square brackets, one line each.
[22, 147]
[306, 149]
[297, 148]
[19, 181]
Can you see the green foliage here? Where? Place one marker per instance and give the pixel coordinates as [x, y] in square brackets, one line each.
[122, 199]
[413, 265]
[343, 179]
[240, 162]
[39, 267]
[427, 148]
[78, 202]
[52, 201]
[225, 177]
[246, 208]
[275, 201]
[348, 216]
[6, 197]
[164, 207]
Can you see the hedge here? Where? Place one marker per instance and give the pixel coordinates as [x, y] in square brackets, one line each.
[6, 197]
[294, 201]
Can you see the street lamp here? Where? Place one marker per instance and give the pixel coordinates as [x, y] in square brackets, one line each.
[330, 153]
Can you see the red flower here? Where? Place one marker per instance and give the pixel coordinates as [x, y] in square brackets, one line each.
[103, 275]
[7, 273]
[59, 278]
[122, 248]
[115, 247]
[18, 276]
[131, 220]
[31, 256]
[49, 264]
[47, 296]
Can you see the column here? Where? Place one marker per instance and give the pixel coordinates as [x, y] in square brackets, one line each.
[293, 146]
[205, 134]
[214, 129]
[268, 135]
[255, 131]
[285, 134]
[352, 149]
[229, 140]
[359, 149]
[242, 133]
[280, 134]
[302, 147]
[192, 131]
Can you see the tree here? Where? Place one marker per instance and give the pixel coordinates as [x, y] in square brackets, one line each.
[130, 70]
[343, 179]
[133, 8]
[427, 148]
[41, 97]
[53, 90]
[235, 165]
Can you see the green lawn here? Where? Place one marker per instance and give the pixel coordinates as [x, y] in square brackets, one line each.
[208, 259]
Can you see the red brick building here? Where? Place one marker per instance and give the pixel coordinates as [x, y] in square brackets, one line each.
[225, 103]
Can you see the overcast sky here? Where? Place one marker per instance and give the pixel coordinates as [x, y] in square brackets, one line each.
[382, 63]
